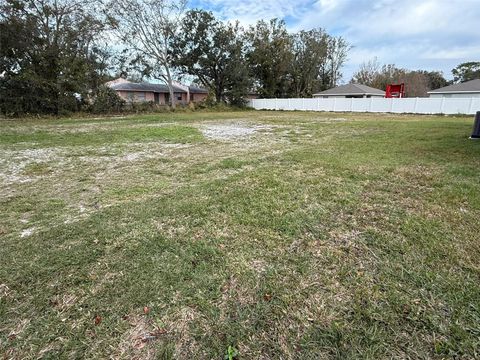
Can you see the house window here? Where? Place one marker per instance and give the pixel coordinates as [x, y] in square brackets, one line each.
[130, 96]
[179, 97]
[141, 96]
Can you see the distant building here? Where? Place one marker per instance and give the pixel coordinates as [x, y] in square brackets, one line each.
[350, 91]
[157, 93]
[468, 89]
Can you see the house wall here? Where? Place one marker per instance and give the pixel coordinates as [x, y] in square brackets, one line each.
[180, 98]
[161, 98]
[198, 97]
[149, 96]
[456, 95]
[122, 94]
[136, 96]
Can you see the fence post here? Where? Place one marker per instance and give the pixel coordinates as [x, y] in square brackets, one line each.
[318, 104]
[415, 105]
[334, 103]
[370, 105]
[442, 105]
[391, 105]
[351, 104]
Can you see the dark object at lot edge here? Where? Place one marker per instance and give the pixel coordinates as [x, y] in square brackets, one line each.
[476, 127]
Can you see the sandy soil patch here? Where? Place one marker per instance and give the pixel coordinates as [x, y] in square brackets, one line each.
[231, 131]
[13, 163]
[27, 232]
[137, 342]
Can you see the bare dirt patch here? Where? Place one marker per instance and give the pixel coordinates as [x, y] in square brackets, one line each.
[231, 131]
[4, 291]
[14, 162]
[27, 232]
[137, 342]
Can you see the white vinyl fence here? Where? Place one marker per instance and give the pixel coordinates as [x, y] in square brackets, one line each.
[406, 105]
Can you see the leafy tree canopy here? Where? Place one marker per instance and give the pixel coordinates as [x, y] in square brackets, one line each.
[212, 51]
[466, 71]
[49, 54]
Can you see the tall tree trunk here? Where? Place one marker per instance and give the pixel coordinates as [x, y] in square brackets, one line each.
[170, 87]
[218, 94]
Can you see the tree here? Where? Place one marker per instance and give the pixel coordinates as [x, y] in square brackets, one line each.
[310, 52]
[367, 73]
[269, 56]
[388, 74]
[283, 64]
[466, 71]
[149, 28]
[338, 49]
[49, 54]
[212, 52]
[417, 83]
[435, 79]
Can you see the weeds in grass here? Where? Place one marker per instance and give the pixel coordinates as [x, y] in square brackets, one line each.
[231, 354]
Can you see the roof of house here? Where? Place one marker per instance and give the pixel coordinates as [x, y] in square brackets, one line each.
[352, 89]
[130, 86]
[197, 90]
[116, 81]
[467, 86]
[159, 88]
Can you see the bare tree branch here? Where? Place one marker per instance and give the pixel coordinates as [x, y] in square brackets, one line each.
[148, 28]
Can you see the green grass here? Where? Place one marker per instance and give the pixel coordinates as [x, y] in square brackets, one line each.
[317, 236]
[46, 138]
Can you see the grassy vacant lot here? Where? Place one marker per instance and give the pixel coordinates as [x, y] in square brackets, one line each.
[277, 234]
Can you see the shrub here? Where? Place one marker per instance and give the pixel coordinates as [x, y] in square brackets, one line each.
[146, 106]
[106, 100]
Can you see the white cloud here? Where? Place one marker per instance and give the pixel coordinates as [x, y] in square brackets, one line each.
[452, 53]
[249, 11]
[429, 34]
[426, 34]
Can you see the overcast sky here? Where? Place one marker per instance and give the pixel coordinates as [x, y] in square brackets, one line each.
[414, 34]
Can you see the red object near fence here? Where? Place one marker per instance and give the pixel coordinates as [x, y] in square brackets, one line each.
[395, 91]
